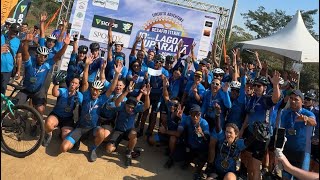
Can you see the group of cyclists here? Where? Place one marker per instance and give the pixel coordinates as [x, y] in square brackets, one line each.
[222, 116]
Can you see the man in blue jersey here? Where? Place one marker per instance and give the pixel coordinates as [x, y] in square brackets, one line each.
[298, 123]
[124, 125]
[62, 113]
[36, 71]
[90, 110]
[9, 48]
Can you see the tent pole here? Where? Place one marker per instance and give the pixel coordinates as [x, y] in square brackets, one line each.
[298, 83]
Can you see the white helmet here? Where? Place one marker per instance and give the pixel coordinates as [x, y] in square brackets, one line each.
[52, 36]
[97, 84]
[10, 20]
[217, 71]
[281, 81]
[43, 50]
[235, 84]
[118, 43]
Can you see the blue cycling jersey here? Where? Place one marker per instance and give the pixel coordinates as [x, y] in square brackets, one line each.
[125, 121]
[7, 59]
[66, 104]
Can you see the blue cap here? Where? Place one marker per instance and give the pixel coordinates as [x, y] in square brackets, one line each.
[119, 58]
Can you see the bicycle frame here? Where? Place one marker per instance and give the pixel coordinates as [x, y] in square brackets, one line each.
[8, 104]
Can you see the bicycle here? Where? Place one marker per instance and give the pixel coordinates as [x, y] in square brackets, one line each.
[16, 123]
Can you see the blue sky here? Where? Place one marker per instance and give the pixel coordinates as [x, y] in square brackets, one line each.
[289, 6]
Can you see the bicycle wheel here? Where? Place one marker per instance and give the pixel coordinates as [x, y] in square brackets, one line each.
[16, 131]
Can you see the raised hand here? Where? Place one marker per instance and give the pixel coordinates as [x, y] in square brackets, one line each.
[111, 23]
[67, 39]
[118, 69]
[165, 82]
[146, 90]
[234, 52]
[180, 44]
[146, 75]
[43, 16]
[225, 87]
[104, 64]
[135, 77]
[28, 37]
[89, 59]
[65, 23]
[157, 46]
[193, 45]
[130, 87]
[180, 111]
[138, 38]
[275, 78]
[264, 64]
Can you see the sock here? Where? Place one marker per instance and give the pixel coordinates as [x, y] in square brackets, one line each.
[93, 147]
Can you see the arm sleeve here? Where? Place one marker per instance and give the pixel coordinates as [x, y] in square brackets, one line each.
[226, 99]
[58, 46]
[62, 91]
[80, 96]
[42, 42]
[242, 95]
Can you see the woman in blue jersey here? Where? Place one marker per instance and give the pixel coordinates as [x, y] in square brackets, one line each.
[62, 113]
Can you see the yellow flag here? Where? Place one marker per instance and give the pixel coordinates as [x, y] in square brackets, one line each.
[7, 6]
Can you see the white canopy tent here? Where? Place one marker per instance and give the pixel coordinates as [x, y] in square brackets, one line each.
[293, 41]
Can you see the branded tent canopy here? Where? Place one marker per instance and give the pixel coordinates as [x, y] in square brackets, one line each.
[293, 41]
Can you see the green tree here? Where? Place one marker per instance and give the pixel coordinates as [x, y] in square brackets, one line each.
[265, 24]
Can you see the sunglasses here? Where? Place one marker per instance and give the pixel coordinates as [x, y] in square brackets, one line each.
[215, 84]
[160, 62]
[51, 40]
[226, 68]
[257, 85]
[195, 114]
[136, 65]
[234, 89]
[82, 52]
[44, 56]
[307, 99]
[218, 75]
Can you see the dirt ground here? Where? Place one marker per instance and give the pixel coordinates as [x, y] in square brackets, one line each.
[47, 163]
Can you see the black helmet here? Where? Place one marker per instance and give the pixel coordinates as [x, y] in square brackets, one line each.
[94, 46]
[310, 95]
[250, 81]
[15, 27]
[159, 57]
[262, 80]
[169, 59]
[83, 48]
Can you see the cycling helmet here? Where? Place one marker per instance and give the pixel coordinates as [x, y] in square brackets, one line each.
[217, 71]
[10, 20]
[121, 54]
[310, 95]
[118, 43]
[159, 57]
[97, 84]
[94, 46]
[235, 85]
[83, 48]
[262, 80]
[169, 59]
[15, 27]
[281, 82]
[43, 50]
[250, 81]
[52, 36]
[60, 77]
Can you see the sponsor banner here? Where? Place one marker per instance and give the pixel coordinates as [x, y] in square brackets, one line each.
[108, 4]
[166, 31]
[7, 7]
[21, 11]
[82, 5]
[101, 35]
[119, 26]
[161, 18]
[167, 43]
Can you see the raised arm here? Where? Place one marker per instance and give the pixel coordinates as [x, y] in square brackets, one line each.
[192, 52]
[75, 46]
[64, 28]
[85, 83]
[110, 40]
[57, 57]
[258, 64]
[134, 47]
[43, 18]
[102, 71]
[180, 45]
[275, 84]
[146, 92]
[117, 71]
[235, 73]
[213, 55]
[143, 46]
[55, 90]
[25, 47]
[165, 89]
